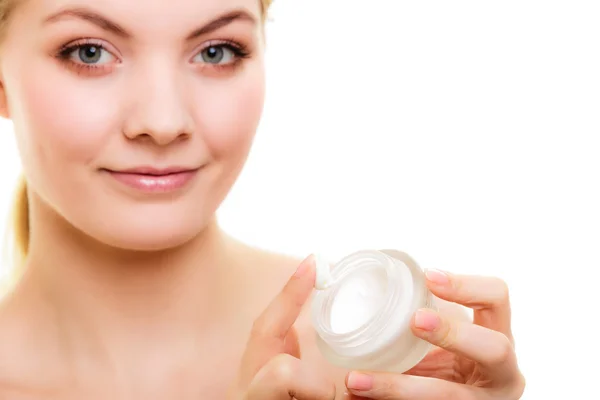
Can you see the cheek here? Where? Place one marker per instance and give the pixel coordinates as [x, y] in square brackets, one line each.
[230, 115]
[61, 121]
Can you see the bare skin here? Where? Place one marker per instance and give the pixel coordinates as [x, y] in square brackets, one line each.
[34, 355]
[130, 294]
[34, 362]
[130, 290]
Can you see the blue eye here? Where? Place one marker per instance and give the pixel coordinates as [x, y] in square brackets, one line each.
[90, 54]
[218, 54]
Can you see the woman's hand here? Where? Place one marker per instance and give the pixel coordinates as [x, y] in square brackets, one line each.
[472, 361]
[271, 368]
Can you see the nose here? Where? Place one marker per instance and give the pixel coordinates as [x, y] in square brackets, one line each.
[158, 108]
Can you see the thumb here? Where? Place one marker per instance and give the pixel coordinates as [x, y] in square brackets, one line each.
[272, 332]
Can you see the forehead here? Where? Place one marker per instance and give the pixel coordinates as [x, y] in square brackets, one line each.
[146, 14]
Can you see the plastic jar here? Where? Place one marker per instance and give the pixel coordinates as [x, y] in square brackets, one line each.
[363, 319]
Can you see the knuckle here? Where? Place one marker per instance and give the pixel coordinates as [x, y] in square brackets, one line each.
[280, 369]
[264, 331]
[456, 283]
[296, 299]
[447, 334]
[393, 389]
[388, 387]
[258, 328]
[502, 351]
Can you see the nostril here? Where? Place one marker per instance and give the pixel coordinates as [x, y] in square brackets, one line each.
[161, 137]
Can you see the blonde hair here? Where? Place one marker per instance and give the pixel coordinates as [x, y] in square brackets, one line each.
[17, 235]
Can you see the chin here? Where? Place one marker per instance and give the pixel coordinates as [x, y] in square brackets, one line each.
[148, 234]
[149, 241]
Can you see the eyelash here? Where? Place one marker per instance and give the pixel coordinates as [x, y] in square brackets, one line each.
[240, 52]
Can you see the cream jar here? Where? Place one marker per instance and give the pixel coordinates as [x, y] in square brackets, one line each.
[363, 311]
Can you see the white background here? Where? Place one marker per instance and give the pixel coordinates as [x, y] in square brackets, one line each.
[465, 133]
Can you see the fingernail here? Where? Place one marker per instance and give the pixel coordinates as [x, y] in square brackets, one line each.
[359, 381]
[427, 320]
[436, 276]
[303, 267]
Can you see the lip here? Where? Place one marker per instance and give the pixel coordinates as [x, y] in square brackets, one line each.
[154, 180]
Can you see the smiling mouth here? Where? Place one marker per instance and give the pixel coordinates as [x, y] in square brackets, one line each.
[152, 180]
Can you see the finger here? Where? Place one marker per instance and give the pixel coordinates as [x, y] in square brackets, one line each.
[487, 296]
[269, 332]
[291, 344]
[400, 387]
[492, 350]
[285, 377]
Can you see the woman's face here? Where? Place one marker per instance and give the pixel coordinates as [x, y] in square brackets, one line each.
[134, 118]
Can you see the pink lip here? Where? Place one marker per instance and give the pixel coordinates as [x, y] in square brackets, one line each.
[152, 180]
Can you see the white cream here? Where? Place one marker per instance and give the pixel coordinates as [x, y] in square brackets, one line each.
[363, 321]
[324, 279]
[360, 298]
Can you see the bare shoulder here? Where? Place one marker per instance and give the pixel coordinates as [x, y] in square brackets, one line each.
[273, 261]
[22, 372]
[12, 332]
[268, 269]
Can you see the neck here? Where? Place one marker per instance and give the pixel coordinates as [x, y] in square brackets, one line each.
[117, 303]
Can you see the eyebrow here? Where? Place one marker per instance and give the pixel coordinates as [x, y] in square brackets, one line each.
[222, 21]
[110, 26]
